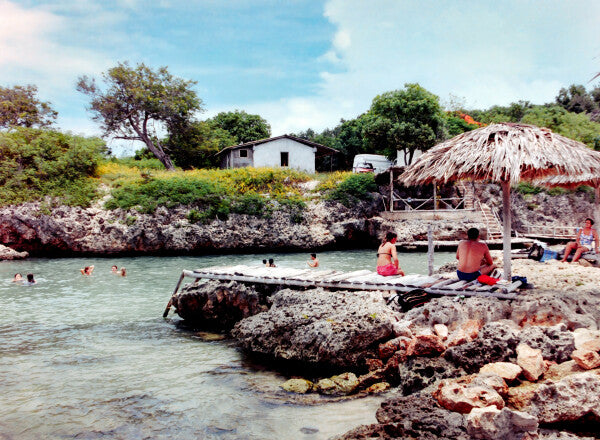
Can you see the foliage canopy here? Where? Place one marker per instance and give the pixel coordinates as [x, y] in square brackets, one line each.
[19, 106]
[241, 125]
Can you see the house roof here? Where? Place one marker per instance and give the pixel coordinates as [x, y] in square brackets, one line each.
[322, 150]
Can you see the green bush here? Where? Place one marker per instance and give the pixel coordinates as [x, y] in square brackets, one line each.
[353, 189]
[250, 204]
[528, 188]
[37, 163]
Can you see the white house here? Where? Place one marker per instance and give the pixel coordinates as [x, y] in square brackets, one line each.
[281, 151]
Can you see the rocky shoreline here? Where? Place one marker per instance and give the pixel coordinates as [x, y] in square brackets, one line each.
[457, 368]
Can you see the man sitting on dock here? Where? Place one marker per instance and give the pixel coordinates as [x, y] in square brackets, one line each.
[473, 257]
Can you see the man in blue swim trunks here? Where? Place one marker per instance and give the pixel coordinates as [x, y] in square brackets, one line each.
[473, 257]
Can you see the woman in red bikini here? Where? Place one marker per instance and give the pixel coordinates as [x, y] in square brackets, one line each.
[387, 258]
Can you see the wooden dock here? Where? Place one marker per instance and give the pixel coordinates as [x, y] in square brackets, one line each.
[356, 280]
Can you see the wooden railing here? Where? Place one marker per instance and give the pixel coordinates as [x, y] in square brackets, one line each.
[430, 204]
[550, 231]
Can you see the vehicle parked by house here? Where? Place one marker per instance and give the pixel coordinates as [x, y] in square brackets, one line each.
[370, 163]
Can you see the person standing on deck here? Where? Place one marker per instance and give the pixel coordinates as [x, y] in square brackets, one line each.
[473, 257]
[387, 258]
[583, 241]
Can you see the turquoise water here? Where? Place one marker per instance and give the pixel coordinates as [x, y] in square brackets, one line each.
[91, 357]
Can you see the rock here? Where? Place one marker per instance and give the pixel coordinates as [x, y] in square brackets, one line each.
[495, 343]
[462, 396]
[300, 386]
[388, 348]
[420, 372]
[490, 380]
[556, 372]
[7, 253]
[216, 304]
[332, 329]
[556, 342]
[342, 384]
[402, 328]
[520, 397]
[592, 345]
[441, 330]
[378, 387]
[506, 370]
[531, 361]
[492, 423]
[586, 359]
[573, 398]
[425, 345]
[583, 335]
[373, 364]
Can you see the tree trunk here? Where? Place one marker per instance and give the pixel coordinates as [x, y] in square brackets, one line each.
[159, 153]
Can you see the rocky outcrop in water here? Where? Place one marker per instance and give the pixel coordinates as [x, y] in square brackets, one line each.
[7, 253]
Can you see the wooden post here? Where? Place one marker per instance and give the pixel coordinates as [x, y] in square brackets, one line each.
[506, 244]
[434, 196]
[392, 189]
[166, 312]
[430, 249]
[597, 207]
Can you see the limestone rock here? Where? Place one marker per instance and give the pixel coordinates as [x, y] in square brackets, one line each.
[586, 359]
[441, 330]
[496, 342]
[556, 372]
[341, 384]
[463, 397]
[335, 329]
[7, 253]
[378, 387]
[583, 335]
[519, 397]
[420, 372]
[573, 398]
[592, 345]
[556, 342]
[388, 348]
[215, 304]
[300, 386]
[506, 370]
[531, 361]
[425, 345]
[491, 423]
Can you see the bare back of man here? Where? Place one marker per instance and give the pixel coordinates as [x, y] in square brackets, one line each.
[471, 254]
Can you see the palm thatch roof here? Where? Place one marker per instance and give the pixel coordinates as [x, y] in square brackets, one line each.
[570, 182]
[503, 152]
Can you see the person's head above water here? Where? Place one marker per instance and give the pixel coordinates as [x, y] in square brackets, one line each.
[473, 234]
[30, 278]
[114, 268]
[18, 277]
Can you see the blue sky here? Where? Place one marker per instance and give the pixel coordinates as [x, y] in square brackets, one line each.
[302, 64]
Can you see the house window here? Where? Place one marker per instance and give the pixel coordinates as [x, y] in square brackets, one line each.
[243, 153]
[285, 159]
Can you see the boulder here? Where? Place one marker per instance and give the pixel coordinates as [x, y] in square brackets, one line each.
[592, 345]
[420, 372]
[583, 335]
[388, 348]
[571, 399]
[506, 370]
[491, 423]
[556, 372]
[556, 342]
[377, 388]
[7, 253]
[519, 397]
[216, 304]
[333, 329]
[463, 396]
[425, 345]
[496, 342]
[531, 361]
[341, 384]
[441, 330]
[586, 359]
[299, 386]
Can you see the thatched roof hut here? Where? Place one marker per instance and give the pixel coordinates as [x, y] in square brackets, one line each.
[504, 153]
[572, 182]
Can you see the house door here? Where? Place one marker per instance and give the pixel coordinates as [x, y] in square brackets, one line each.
[285, 159]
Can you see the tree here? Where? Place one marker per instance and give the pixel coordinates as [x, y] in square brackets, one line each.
[350, 141]
[404, 120]
[576, 99]
[140, 101]
[243, 126]
[195, 145]
[19, 106]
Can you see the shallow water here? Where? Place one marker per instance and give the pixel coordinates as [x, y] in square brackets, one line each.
[91, 357]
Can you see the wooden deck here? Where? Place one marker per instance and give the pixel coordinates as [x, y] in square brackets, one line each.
[357, 280]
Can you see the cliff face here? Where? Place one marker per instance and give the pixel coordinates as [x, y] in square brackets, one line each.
[77, 231]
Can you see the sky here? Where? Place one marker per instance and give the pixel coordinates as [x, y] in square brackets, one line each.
[303, 64]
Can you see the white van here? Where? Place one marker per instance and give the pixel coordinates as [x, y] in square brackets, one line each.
[370, 163]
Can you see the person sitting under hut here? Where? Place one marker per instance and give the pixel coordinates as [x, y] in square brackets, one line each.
[473, 257]
[387, 258]
[314, 261]
[583, 241]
